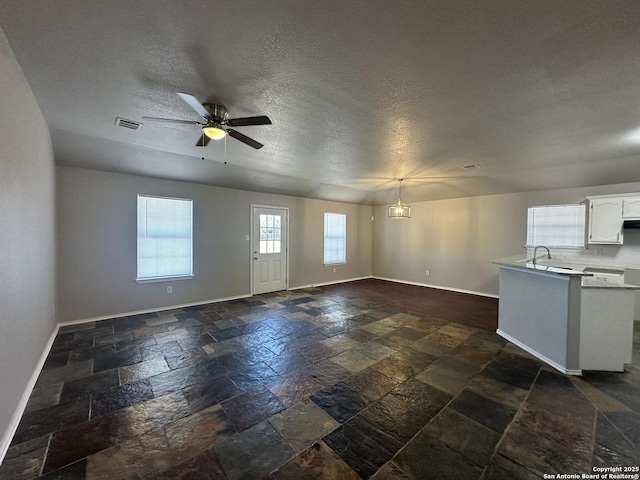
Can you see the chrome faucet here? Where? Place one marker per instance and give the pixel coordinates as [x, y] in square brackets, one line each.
[536, 249]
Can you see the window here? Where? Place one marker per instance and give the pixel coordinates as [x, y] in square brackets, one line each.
[335, 238]
[270, 233]
[165, 238]
[556, 226]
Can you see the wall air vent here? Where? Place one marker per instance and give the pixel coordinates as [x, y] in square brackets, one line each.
[130, 124]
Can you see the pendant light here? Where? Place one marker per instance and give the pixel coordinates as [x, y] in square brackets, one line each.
[399, 209]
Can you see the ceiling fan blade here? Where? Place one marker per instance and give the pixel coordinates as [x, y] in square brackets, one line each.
[247, 121]
[195, 104]
[203, 141]
[173, 120]
[244, 139]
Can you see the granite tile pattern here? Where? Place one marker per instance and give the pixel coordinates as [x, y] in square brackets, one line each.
[317, 383]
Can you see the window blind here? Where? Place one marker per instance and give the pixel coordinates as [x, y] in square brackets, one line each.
[335, 238]
[556, 226]
[165, 237]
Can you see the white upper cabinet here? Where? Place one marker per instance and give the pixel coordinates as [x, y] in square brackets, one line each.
[631, 208]
[605, 220]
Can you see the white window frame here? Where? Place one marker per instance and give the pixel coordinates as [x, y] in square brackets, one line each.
[328, 258]
[556, 226]
[185, 273]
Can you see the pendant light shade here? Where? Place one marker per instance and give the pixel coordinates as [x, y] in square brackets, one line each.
[399, 209]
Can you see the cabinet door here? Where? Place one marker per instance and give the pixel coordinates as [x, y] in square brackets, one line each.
[631, 207]
[605, 220]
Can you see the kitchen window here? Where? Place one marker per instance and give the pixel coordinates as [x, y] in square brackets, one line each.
[165, 238]
[335, 238]
[560, 226]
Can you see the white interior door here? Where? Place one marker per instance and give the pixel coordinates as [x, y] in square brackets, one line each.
[269, 249]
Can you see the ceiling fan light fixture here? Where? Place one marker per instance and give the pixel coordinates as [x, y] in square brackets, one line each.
[215, 117]
[399, 209]
[214, 132]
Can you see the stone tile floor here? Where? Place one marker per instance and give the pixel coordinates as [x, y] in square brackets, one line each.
[312, 384]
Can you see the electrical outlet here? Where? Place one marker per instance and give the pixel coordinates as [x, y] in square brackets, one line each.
[427, 273]
[169, 289]
[334, 269]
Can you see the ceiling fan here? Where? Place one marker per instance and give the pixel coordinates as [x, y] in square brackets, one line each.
[216, 122]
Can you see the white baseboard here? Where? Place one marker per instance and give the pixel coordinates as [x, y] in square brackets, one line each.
[395, 280]
[530, 350]
[5, 441]
[335, 282]
[439, 287]
[150, 310]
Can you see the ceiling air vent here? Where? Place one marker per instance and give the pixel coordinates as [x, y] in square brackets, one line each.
[130, 124]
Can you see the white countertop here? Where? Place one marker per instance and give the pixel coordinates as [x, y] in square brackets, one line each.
[601, 284]
[525, 262]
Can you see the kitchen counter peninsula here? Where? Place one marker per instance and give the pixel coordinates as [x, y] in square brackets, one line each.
[564, 315]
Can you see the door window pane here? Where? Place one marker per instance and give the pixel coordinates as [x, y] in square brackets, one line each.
[270, 233]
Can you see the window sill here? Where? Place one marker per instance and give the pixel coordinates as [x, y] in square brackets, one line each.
[164, 279]
[334, 264]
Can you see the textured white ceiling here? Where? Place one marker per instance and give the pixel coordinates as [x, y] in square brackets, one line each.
[541, 93]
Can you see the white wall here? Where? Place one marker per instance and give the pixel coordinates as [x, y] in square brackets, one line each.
[97, 243]
[27, 236]
[455, 239]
